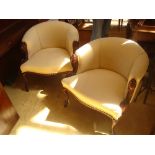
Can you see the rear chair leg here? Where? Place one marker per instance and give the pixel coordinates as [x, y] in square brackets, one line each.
[25, 81]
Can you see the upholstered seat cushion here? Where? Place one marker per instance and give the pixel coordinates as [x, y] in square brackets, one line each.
[100, 89]
[47, 61]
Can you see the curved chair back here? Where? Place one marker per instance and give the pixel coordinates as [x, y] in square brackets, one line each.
[50, 34]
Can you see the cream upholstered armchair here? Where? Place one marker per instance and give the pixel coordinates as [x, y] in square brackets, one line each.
[48, 47]
[109, 71]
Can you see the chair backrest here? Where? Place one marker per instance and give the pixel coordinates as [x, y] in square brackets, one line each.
[112, 53]
[50, 34]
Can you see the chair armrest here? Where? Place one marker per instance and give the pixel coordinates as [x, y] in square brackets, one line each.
[24, 51]
[130, 91]
[72, 41]
[74, 59]
[74, 62]
[138, 71]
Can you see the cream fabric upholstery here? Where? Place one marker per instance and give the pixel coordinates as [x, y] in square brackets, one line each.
[50, 45]
[105, 67]
[99, 88]
[49, 60]
[110, 53]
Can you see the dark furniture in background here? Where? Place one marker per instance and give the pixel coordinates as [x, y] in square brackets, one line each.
[143, 32]
[11, 32]
[141, 29]
[8, 114]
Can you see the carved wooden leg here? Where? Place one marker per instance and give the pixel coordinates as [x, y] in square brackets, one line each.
[66, 102]
[113, 124]
[25, 81]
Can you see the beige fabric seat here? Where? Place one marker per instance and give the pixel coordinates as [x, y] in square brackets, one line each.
[53, 60]
[49, 46]
[99, 87]
[105, 68]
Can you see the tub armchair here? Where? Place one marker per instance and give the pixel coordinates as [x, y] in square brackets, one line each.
[108, 74]
[48, 47]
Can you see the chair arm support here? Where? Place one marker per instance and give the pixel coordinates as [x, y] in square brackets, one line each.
[74, 62]
[74, 57]
[131, 88]
[24, 51]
